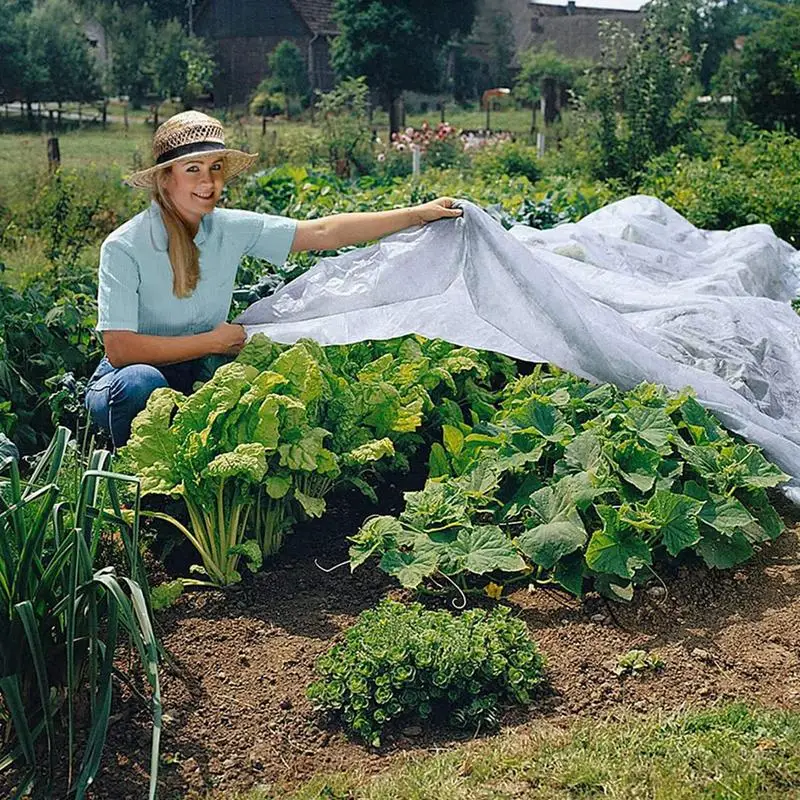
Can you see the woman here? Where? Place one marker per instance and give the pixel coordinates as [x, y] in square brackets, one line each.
[167, 276]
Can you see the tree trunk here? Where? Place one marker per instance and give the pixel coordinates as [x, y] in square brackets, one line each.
[396, 113]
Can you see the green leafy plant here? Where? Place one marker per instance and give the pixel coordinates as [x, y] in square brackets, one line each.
[248, 452]
[568, 482]
[62, 616]
[636, 662]
[401, 662]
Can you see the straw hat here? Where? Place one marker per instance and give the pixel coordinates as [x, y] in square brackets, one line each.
[188, 135]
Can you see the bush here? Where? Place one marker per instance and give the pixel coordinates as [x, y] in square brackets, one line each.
[507, 158]
[400, 662]
[742, 183]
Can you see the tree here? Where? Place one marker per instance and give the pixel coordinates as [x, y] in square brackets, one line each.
[397, 44]
[288, 73]
[167, 61]
[200, 69]
[498, 31]
[132, 33]
[59, 46]
[542, 72]
[769, 77]
[640, 92]
[345, 124]
[13, 51]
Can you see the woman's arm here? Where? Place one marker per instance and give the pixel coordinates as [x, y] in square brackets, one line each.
[127, 347]
[340, 230]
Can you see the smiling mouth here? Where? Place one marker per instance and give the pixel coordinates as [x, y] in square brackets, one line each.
[203, 196]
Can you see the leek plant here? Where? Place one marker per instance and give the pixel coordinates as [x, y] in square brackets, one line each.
[62, 616]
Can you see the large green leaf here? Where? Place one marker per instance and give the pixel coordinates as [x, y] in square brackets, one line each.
[313, 506]
[676, 516]
[725, 514]
[247, 461]
[303, 372]
[723, 551]
[377, 535]
[544, 418]
[369, 452]
[410, 568]
[213, 399]
[754, 470]
[484, 549]
[549, 543]
[702, 427]
[584, 452]
[152, 446]
[569, 573]
[616, 549]
[304, 454]
[638, 465]
[653, 425]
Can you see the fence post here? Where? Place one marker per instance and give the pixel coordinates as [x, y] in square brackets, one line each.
[540, 144]
[53, 154]
[415, 160]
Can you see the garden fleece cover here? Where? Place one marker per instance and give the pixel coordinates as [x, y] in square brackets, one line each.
[633, 292]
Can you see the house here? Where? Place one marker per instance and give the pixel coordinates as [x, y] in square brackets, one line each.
[244, 32]
[572, 28]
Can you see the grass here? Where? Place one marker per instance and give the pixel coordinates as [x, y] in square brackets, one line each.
[726, 752]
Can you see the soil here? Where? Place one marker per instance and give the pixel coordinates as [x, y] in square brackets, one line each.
[235, 713]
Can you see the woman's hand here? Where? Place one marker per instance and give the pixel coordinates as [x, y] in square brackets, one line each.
[440, 208]
[227, 339]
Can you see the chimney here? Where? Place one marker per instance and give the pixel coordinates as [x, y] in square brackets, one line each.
[570, 7]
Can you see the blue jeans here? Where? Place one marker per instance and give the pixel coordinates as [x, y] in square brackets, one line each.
[115, 396]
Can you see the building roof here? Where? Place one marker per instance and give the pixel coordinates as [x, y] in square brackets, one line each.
[316, 14]
[574, 36]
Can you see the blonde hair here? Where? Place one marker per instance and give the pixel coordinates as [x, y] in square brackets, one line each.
[184, 255]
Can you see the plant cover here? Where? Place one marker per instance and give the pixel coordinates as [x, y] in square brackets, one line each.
[400, 662]
[62, 616]
[569, 482]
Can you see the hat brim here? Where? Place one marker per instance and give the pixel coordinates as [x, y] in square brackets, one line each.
[236, 162]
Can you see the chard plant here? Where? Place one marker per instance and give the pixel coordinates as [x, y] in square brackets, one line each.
[63, 616]
[403, 662]
[570, 483]
[247, 455]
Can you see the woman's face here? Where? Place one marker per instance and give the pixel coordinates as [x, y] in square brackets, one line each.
[195, 186]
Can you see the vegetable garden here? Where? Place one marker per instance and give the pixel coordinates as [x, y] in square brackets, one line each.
[324, 561]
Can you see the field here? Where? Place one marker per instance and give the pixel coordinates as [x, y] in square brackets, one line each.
[648, 554]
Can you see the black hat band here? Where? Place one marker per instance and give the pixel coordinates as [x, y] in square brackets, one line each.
[188, 149]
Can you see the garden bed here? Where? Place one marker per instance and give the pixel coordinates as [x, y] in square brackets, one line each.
[236, 714]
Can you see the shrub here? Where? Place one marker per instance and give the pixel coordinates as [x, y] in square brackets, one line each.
[400, 662]
[507, 158]
[742, 183]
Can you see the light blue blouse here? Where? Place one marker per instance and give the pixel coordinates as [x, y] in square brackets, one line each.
[135, 281]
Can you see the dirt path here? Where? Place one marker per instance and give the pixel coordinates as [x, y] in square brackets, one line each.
[237, 716]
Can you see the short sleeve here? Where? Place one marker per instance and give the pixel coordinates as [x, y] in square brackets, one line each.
[118, 289]
[271, 238]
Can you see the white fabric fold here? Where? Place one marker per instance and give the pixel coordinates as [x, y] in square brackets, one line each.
[631, 293]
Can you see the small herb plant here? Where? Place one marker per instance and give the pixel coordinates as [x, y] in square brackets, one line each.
[403, 661]
[636, 662]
